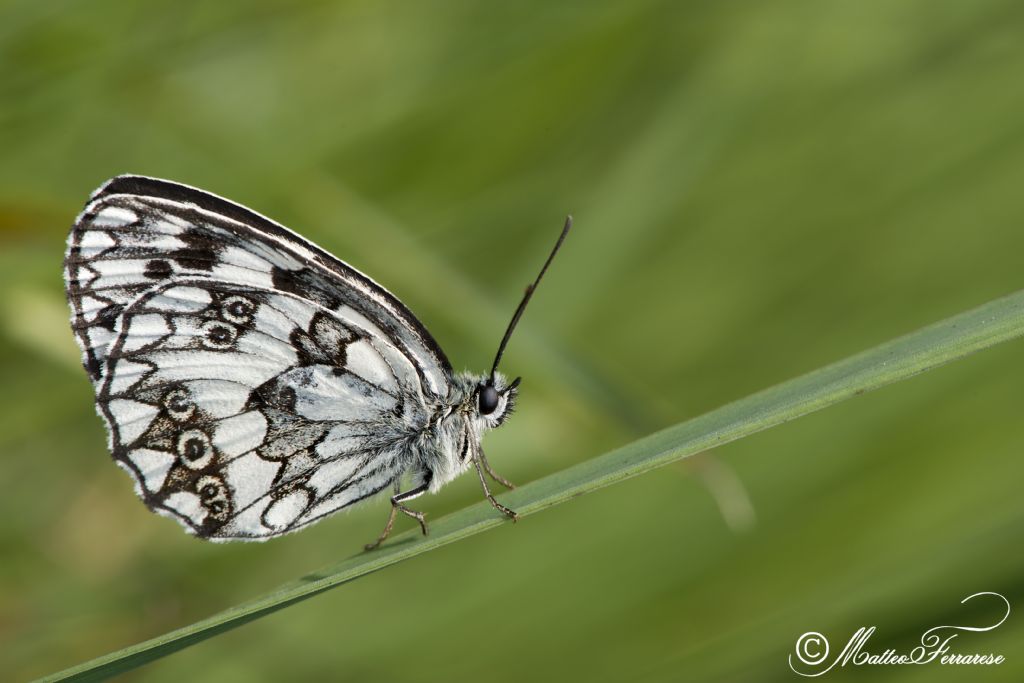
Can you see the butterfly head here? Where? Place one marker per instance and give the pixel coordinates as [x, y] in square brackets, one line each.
[494, 399]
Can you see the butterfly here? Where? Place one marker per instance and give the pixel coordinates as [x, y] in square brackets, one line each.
[251, 383]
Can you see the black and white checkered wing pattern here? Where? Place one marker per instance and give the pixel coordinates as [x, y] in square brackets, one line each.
[251, 383]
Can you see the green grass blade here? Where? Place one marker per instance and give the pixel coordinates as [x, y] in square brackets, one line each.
[930, 347]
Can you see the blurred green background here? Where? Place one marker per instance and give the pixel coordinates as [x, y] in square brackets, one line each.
[760, 188]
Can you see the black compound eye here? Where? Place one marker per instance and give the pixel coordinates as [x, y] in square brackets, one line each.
[488, 399]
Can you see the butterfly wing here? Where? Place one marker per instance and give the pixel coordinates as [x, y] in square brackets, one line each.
[250, 382]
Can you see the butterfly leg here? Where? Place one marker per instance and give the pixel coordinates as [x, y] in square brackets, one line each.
[487, 491]
[396, 505]
[494, 475]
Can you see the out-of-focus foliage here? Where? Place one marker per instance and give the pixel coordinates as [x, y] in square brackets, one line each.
[759, 188]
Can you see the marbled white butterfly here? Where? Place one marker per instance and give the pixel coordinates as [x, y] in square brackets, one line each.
[253, 384]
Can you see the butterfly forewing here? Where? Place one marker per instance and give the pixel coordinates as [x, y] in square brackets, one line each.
[251, 383]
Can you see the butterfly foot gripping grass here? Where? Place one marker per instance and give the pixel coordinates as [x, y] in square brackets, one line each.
[251, 383]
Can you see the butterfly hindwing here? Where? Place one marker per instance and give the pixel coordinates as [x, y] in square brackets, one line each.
[251, 383]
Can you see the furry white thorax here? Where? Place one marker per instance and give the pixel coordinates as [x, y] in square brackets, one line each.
[457, 427]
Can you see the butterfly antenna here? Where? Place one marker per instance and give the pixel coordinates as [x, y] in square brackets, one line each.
[526, 298]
